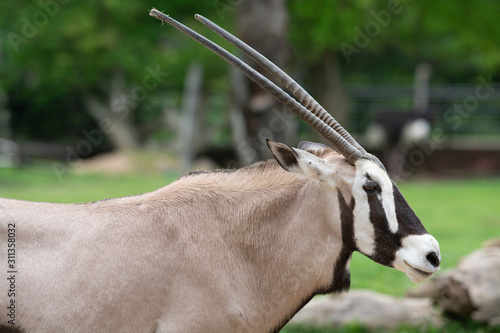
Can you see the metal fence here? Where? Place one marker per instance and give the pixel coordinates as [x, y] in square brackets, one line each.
[461, 110]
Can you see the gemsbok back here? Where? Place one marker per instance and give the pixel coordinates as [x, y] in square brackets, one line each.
[226, 251]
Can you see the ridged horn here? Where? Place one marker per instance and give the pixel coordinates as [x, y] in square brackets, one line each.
[300, 93]
[350, 152]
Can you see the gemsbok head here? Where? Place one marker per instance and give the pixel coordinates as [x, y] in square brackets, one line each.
[227, 251]
[383, 225]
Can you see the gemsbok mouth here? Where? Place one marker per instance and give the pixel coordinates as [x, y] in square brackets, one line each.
[417, 275]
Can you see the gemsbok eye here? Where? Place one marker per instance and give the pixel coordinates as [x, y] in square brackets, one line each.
[371, 187]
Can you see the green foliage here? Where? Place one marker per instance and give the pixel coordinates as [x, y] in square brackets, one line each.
[391, 36]
[449, 326]
[321, 26]
[55, 52]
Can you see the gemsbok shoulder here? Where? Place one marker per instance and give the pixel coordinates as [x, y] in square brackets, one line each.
[226, 251]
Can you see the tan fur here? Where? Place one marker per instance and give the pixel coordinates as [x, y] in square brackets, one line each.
[231, 251]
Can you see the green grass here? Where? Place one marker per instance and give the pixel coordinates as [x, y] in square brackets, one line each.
[448, 327]
[42, 184]
[461, 214]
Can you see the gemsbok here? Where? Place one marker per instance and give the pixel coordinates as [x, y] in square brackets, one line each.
[225, 251]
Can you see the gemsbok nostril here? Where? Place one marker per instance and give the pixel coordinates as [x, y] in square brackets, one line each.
[433, 259]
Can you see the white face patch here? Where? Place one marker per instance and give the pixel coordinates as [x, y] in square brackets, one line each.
[390, 207]
[364, 233]
[412, 258]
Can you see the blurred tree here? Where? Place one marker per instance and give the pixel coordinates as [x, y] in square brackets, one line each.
[256, 114]
[63, 61]
[76, 66]
[376, 38]
[317, 31]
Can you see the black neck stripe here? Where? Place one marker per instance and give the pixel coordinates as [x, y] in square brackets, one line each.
[341, 274]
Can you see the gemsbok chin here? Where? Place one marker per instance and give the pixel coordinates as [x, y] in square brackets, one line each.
[226, 251]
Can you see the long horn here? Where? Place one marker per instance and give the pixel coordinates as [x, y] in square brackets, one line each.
[350, 152]
[303, 96]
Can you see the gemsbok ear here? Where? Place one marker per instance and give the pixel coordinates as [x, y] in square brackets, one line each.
[298, 161]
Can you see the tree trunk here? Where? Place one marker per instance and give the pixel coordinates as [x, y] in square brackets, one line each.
[8, 149]
[421, 87]
[5, 129]
[245, 151]
[191, 114]
[113, 115]
[256, 115]
[327, 87]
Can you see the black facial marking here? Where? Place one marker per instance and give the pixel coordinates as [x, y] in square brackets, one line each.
[341, 275]
[409, 223]
[386, 242]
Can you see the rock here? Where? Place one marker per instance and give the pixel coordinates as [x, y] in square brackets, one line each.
[479, 273]
[369, 309]
[472, 290]
[432, 287]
